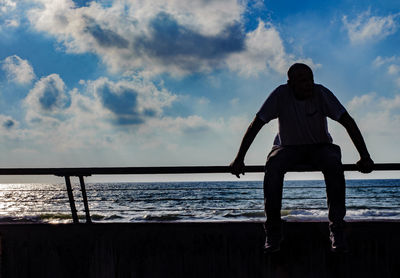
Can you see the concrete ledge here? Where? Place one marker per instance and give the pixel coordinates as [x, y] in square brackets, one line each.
[210, 249]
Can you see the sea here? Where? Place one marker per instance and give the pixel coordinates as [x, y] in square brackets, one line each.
[303, 200]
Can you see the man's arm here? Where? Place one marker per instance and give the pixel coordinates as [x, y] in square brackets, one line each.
[237, 166]
[365, 164]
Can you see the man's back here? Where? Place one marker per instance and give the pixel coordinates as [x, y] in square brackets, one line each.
[301, 121]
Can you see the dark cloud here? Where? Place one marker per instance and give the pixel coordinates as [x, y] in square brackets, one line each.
[173, 43]
[149, 112]
[8, 124]
[50, 97]
[123, 103]
[105, 37]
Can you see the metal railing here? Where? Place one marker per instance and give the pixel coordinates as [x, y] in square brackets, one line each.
[67, 173]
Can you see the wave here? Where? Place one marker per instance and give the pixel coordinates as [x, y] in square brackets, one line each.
[245, 214]
[195, 201]
[18, 219]
[376, 214]
[113, 217]
[162, 217]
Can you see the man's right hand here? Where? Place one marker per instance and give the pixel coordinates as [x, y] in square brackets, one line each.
[237, 167]
[365, 165]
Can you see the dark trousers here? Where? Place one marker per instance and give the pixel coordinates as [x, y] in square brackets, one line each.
[324, 157]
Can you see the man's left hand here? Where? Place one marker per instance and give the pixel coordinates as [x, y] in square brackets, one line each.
[365, 165]
[237, 167]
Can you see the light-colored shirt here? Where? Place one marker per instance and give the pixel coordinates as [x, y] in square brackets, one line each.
[301, 121]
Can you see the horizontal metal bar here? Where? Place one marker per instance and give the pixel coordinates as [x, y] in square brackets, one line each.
[169, 170]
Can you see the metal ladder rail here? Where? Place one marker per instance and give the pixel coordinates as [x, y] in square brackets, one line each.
[71, 199]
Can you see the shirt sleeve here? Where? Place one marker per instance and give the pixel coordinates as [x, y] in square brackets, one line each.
[269, 110]
[331, 105]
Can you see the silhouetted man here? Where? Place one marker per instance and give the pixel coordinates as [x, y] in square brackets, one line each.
[301, 108]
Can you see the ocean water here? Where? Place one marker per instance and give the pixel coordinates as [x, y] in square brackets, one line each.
[194, 201]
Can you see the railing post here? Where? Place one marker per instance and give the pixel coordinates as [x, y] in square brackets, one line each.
[85, 201]
[71, 200]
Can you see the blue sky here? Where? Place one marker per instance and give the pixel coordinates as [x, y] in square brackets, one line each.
[146, 83]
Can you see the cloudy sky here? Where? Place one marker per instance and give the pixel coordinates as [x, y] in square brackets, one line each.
[159, 83]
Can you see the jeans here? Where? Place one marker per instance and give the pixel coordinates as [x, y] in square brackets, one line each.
[324, 157]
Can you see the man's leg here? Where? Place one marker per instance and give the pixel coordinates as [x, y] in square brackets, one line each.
[327, 157]
[278, 161]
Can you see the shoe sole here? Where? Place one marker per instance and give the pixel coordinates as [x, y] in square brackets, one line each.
[339, 251]
[271, 250]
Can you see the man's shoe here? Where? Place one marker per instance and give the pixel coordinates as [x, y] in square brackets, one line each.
[271, 246]
[338, 239]
[273, 237]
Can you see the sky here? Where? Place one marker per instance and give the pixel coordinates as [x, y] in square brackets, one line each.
[166, 83]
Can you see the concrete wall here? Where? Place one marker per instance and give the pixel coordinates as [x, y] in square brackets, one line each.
[195, 250]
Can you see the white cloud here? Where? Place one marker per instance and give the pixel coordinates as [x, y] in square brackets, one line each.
[11, 22]
[203, 101]
[103, 113]
[379, 121]
[48, 95]
[264, 50]
[176, 37]
[131, 101]
[366, 27]
[45, 107]
[18, 70]
[378, 116]
[392, 65]
[181, 125]
[379, 61]
[238, 124]
[208, 17]
[84, 125]
[87, 127]
[361, 101]
[393, 69]
[390, 104]
[12, 14]
[7, 5]
[11, 132]
[125, 102]
[263, 45]
[384, 61]
[156, 36]
[234, 101]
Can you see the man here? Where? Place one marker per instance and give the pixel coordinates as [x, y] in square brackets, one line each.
[301, 108]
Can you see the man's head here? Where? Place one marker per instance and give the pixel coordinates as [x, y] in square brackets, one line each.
[301, 80]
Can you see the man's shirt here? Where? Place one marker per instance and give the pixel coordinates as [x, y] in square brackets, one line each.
[301, 121]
